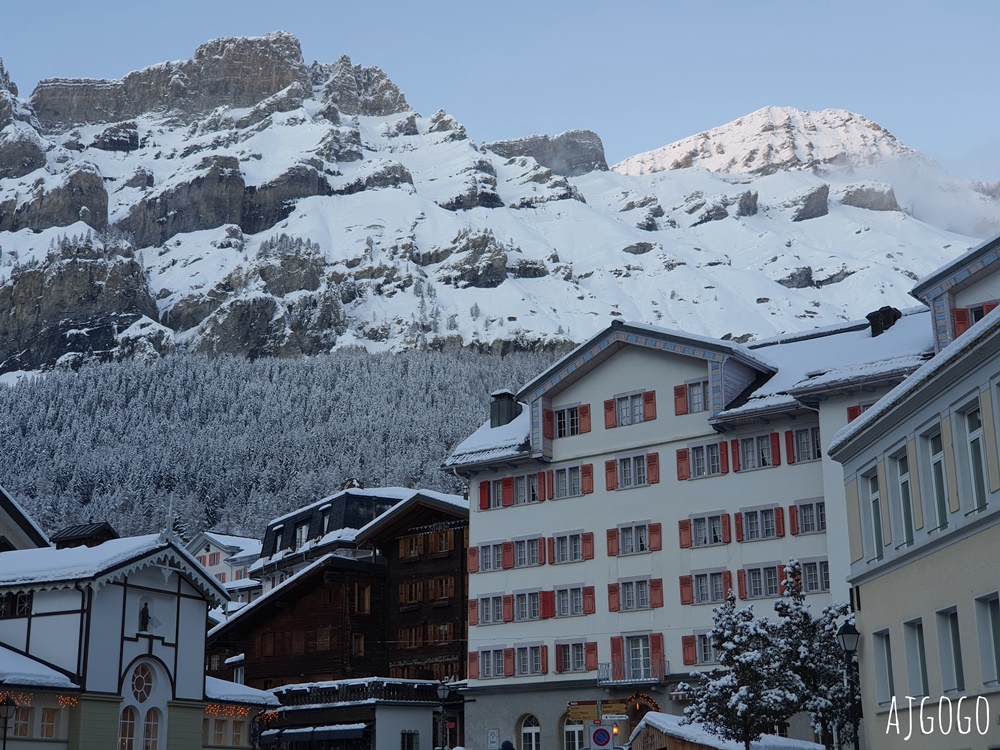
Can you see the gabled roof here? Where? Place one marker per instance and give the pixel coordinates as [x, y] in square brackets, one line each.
[235, 546]
[966, 269]
[21, 519]
[50, 568]
[452, 504]
[84, 531]
[673, 726]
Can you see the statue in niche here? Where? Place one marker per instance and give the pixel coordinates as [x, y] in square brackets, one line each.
[144, 618]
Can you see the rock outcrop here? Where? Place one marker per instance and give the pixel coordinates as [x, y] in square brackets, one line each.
[874, 197]
[266, 205]
[355, 90]
[80, 196]
[813, 204]
[22, 151]
[570, 154]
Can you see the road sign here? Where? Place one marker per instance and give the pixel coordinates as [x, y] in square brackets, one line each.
[615, 717]
[613, 709]
[600, 737]
[581, 710]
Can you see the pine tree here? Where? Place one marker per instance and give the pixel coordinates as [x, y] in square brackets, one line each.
[751, 690]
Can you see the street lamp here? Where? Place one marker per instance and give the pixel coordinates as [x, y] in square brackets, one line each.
[848, 637]
[7, 709]
[443, 690]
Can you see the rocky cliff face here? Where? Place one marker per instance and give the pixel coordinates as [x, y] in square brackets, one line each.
[243, 202]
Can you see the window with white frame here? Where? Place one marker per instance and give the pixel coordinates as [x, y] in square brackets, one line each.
[988, 621]
[950, 649]
[634, 594]
[568, 547]
[762, 582]
[916, 657]
[633, 539]
[884, 686]
[705, 461]
[526, 606]
[529, 660]
[632, 471]
[49, 725]
[573, 734]
[902, 464]
[491, 663]
[977, 459]
[567, 421]
[526, 489]
[815, 576]
[629, 409]
[496, 493]
[709, 587]
[706, 530]
[567, 482]
[21, 725]
[572, 657]
[807, 444]
[698, 399]
[638, 665]
[759, 524]
[935, 447]
[706, 649]
[525, 553]
[569, 601]
[301, 535]
[875, 505]
[490, 557]
[812, 517]
[531, 733]
[490, 609]
[755, 452]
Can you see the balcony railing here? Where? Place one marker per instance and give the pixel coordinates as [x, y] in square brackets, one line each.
[631, 672]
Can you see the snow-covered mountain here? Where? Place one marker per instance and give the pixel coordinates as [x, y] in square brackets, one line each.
[302, 208]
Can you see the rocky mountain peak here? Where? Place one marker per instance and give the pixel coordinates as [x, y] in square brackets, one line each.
[5, 83]
[357, 90]
[773, 139]
[570, 154]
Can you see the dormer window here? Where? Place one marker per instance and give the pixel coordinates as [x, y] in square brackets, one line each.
[963, 318]
[301, 534]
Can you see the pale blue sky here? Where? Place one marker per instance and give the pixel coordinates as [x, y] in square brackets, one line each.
[642, 74]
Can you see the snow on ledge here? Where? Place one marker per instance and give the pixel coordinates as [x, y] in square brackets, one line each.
[18, 669]
[223, 691]
[671, 725]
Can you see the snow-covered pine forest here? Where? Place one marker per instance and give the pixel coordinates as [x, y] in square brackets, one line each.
[234, 442]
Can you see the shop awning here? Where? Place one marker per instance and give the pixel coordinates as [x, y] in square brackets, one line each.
[304, 734]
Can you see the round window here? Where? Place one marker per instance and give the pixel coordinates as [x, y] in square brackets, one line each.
[142, 682]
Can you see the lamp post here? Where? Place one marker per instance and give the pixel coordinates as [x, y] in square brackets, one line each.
[7, 709]
[443, 690]
[848, 637]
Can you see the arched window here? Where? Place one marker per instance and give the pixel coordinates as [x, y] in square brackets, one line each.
[573, 735]
[142, 682]
[151, 730]
[531, 733]
[126, 729]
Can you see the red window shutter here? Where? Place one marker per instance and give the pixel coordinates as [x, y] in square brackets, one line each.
[723, 457]
[587, 479]
[741, 583]
[507, 555]
[655, 537]
[541, 485]
[587, 545]
[612, 542]
[611, 475]
[775, 449]
[734, 453]
[989, 307]
[614, 602]
[779, 522]
[853, 412]
[484, 495]
[508, 607]
[656, 592]
[687, 589]
[550, 484]
[548, 423]
[680, 399]
[689, 647]
[552, 550]
[790, 446]
[738, 518]
[726, 533]
[960, 317]
[610, 416]
[648, 406]
[507, 492]
[473, 665]
[727, 581]
[508, 662]
[473, 559]
[652, 468]
[559, 657]
[590, 655]
[473, 612]
[793, 519]
[589, 600]
[545, 659]
[683, 464]
[684, 532]
[617, 654]
[547, 604]
[541, 550]
[584, 414]
[781, 578]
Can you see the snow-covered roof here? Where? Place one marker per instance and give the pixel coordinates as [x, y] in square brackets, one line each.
[243, 545]
[670, 724]
[18, 669]
[957, 349]
[240, 584]
[21, 517]
[456, 501]
[494, 443]
[391, 493]
[304, 732]
[985, 251]
[224, 691]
